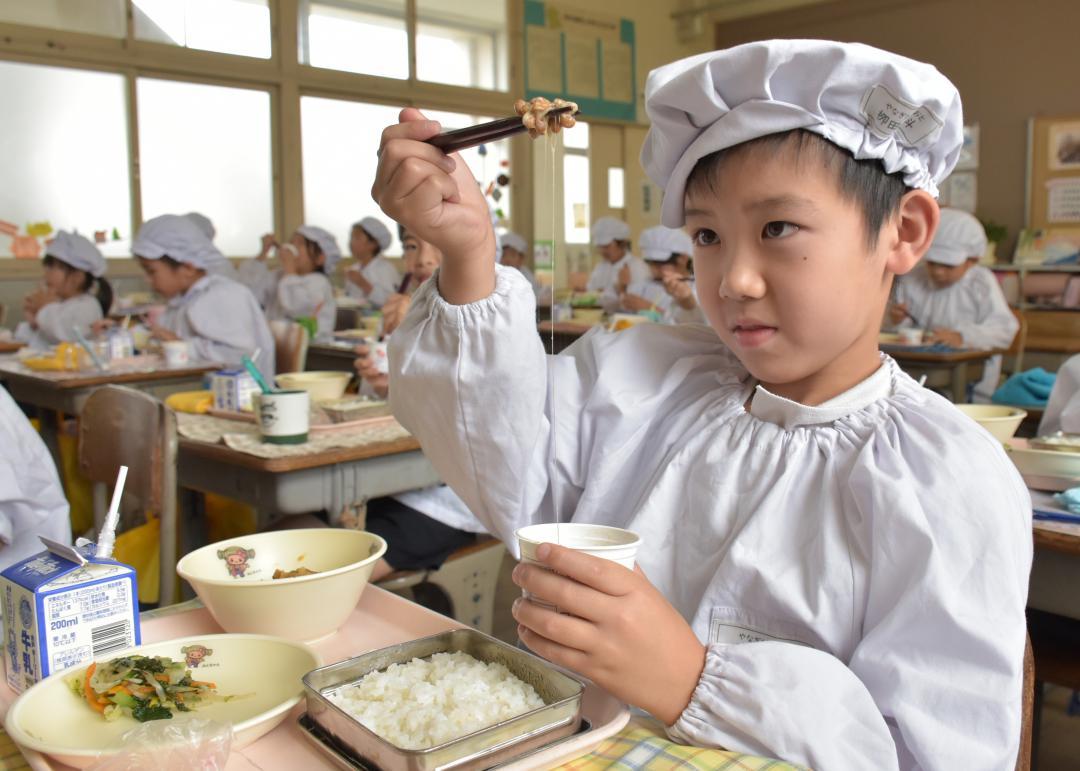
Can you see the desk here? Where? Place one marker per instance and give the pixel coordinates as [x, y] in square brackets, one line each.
[564, 332]
[10, 346]
[951, 369]
[1055, 569]
[333, 479]
[67, 392]
[332, 357]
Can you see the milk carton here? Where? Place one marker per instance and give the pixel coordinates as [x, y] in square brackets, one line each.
[233, 389]
[64, 607]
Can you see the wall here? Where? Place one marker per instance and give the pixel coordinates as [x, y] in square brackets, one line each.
[1011, 60]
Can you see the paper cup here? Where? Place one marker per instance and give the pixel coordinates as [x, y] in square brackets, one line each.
[283, 416]
[377, 352]
[610, 543]
[910, 336]
[177, 353]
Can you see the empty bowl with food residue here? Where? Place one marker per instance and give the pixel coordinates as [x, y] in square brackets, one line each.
[321, 574]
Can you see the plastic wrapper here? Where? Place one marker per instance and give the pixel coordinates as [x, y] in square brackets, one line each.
[172, 745]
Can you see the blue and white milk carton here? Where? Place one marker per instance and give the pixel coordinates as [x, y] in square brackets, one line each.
[233, 389]
[63, 607]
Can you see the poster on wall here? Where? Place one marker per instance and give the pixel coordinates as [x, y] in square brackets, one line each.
[584, 56]
[1063, 199]
[1064, 150]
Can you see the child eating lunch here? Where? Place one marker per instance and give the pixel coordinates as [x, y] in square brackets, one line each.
[618, 267]
[75, 294]
[220, 317]
[371, 279]
[834, 562]
[669, 292]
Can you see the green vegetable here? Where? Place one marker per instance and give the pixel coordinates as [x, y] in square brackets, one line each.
[145, 712]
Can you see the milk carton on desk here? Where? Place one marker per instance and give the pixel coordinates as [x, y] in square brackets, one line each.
[233, 389]
[64, 607]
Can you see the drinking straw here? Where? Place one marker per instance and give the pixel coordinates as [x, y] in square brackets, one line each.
[107, 536]
[249, 365]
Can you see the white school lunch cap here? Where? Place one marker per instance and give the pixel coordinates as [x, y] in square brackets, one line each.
[873, 103]
[327, 244]
[77, 251]
[658, 244]
[515, 242]
[177, 237]
[608, 229]
[959, 237]
[377, 230]
[204, 223]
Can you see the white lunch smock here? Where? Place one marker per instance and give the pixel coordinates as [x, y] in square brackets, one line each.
[223, 322]
[57, 321]
[32, 501]
[858, 570]
[974, 306]
[606, 274]
[292, 297]
[382, 275]
[1062, 411]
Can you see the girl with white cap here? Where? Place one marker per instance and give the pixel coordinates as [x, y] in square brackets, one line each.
[958, 301]
[301, 287]
[371, 279]
[834, 561]
[515, 249]
[618, 268]
[670, 289]
[75, 293]
[219, 317]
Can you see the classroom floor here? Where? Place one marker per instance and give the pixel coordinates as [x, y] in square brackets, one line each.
[1059, 744]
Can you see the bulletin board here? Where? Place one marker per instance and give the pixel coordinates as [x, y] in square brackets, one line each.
[1054, 172]
[585, 57]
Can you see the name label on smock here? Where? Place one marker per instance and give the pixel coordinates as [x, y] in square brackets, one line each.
[889, 115]
[730, 626]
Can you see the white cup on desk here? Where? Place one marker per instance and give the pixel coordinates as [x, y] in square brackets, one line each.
[177, 352]
[910, 335]
[283, 416]
[377, 352]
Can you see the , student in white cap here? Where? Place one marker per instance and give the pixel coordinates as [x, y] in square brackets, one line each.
[371, 279]
[618, 268]
[515, 252]
[959, 301]
[301, 288]
[669, 291]
[220, 317]
[73, 295]
[834, 561]
[218, 262]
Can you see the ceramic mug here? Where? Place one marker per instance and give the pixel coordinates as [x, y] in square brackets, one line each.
[283, 416]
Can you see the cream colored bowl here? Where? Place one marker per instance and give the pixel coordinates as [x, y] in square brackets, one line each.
[234, 580]
[322, 386]
[588, 315]
[50, 719]
[1000, 421]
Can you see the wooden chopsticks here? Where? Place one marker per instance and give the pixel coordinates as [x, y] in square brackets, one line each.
[471, 136]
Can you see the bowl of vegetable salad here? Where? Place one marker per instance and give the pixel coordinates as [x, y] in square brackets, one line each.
[78, 716]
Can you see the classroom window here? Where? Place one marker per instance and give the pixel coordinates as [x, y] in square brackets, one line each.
[239, 27]
[207, 148]
[356, 37]
[462, 44]
[64, 144]
[92, 17]
[339, 142]
[576, 184]
[616, 188]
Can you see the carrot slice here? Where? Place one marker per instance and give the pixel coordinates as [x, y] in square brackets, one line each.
[207, 683]
[91, 697]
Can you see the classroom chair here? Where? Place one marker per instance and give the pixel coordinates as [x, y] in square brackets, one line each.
[347, 318]
[1054, 641]
[290, 345]
[463, 587]
[1024, 759]
[1013, 358]
[124, 427]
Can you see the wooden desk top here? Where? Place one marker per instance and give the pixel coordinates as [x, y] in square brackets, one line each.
[1057, 539]
[10, 346]
[227, 455]
[931, 357]
[564, 327]
[13, 370]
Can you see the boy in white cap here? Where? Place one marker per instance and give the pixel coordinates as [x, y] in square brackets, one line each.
[301, 288]
[75, 293]
[957, 299]
[618, 268]
[220, 317]
[834, 560]
[515, 250]
[371, 279]
[32, 501]
[218, 262]
[669, 290]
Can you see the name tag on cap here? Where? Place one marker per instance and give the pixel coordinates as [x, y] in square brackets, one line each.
[888, 115]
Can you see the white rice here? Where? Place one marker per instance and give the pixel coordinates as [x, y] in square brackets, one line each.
[427, 702]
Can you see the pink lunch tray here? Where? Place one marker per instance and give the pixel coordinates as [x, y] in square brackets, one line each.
[380, 619]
